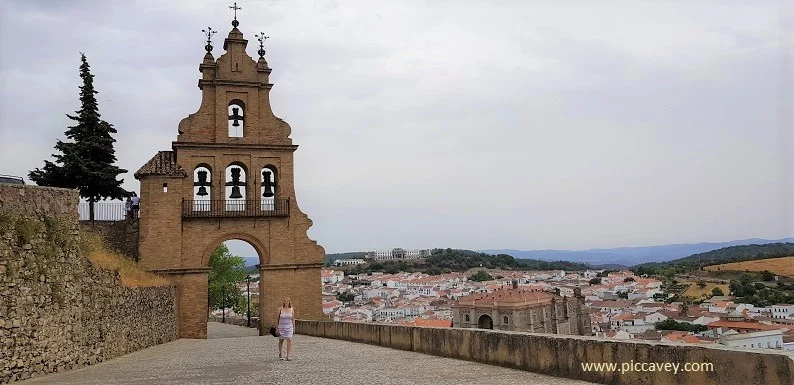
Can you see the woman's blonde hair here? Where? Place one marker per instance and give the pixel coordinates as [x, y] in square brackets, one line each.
[287, 301]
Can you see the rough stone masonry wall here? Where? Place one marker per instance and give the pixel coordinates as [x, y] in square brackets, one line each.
[562, 356]
[57, 311]
[121, 236]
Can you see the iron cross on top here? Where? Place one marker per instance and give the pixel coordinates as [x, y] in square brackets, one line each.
[235, 8]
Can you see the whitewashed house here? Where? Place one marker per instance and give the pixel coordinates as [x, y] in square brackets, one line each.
[767, 339]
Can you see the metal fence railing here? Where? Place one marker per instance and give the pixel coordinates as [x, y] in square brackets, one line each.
[235, 208]
[103, 211]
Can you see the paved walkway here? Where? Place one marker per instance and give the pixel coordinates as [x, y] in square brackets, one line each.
[236, 355]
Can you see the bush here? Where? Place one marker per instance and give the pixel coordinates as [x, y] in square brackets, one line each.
[766, 275]
[345, 297]
[94, 248]
[25, 229]
[481, 276]
[671, 324]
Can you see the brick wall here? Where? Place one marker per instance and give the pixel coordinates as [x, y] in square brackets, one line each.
[57, 311]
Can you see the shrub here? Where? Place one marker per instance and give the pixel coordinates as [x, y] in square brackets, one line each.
[25, 229]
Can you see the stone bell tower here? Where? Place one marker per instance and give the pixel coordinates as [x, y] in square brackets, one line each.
[229, 176]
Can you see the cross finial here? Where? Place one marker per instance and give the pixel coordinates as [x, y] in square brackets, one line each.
[209, 32]
[261, 37]
[235, 23]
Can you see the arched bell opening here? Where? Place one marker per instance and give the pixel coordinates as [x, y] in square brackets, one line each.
[269, 188]
[235, 187]
[202, 187]
[236, 118]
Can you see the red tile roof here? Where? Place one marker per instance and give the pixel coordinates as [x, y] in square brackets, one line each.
[438, 323]
[743, 325]
[508, 297]
[164, 163]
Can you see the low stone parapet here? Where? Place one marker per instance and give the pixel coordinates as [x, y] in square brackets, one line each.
[636, 362]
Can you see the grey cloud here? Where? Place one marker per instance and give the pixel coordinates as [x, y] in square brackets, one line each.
[451, 124]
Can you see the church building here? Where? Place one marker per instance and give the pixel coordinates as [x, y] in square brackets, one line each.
[518, 309]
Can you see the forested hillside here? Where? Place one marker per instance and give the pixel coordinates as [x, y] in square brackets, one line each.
[449, 260]
[723, 255]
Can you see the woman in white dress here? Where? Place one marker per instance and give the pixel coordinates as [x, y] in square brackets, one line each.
[286, 327]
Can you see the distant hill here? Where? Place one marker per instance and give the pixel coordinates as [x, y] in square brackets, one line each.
[449, 260]
[719, 256]
[251, 261]
[780, 266]
[330, 258]
[629, 256]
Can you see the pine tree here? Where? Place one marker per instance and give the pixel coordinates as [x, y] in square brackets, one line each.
[87, 162]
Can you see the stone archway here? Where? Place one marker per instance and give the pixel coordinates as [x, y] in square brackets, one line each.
[485, 322]
[238, 247]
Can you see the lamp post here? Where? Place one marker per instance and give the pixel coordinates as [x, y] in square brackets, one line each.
[223, 304]
[248, 302]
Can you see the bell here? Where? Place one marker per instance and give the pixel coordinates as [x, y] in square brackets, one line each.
[236, 117]
[236, 193]
[267, 184]
[268, 191]
[202, 183]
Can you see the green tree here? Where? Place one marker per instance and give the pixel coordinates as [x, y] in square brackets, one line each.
[481, 276]
[701, 283]
[226, 271]
[87, 161]
[629, 279]
[671, 324]
[717, 291]
[595, 281]
[345, 296]
[766, 275]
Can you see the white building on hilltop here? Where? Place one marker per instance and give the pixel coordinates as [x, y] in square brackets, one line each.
[398, 254]
[348, 262]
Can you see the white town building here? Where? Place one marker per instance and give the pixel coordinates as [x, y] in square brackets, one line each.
[767, 339]
[397, 254]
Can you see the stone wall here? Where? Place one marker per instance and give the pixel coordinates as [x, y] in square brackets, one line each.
[121, 236]
[562, 356]
[58, 311]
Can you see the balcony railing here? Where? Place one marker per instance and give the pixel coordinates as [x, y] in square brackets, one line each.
[236, 208]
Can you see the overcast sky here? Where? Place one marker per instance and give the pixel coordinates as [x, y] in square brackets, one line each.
[463, 124]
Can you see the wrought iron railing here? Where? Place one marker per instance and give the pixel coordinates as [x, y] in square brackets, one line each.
[103, 211]
[235, 208]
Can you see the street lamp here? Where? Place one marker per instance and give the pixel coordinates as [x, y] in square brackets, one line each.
[223, 304]
[248, 302]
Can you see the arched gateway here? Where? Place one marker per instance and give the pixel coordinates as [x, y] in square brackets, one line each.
[229, 176]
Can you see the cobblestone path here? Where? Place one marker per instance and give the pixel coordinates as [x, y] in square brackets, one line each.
[236, 355]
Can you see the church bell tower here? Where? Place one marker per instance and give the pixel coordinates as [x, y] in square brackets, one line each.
[229, 176]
